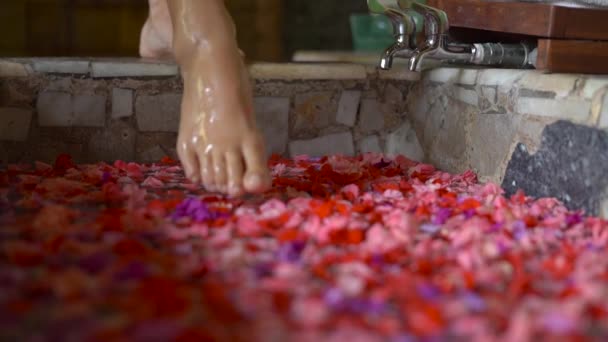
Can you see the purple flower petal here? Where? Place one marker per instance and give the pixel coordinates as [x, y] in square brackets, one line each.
[291, 252]
[195, 209]
[334, 298]
[474, 302]
[95, 263]
[106, 176]
[382, 164]
[430, 228]
[558, 324]
[428, 291]
[573, 219]
[442, 216]
[133, 271]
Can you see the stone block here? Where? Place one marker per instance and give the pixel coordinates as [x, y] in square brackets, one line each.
[348, 107]
[117, 142]
[132, 68]
[593, 84]
[151, 155]
[370, 144]
[468, 96]
[571, 165]
[286, 71]
[404, 141]
[15, 123]
[392, 95]
[577, 110]
[453, 75]
[371, 116]
[61, 66]
[54, 109]
[313, 110]
[272, 115]
[500, 77]
[89, 110]
[339, 143]
[158, 113]
[560, 84]
[603, 120]
[491, 138]
[122, 103]
[13, 69]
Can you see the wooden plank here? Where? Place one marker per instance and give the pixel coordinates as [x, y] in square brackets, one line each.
[572, 56]
[534, 19]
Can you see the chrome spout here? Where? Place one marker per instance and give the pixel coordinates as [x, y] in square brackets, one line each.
[436, 28]
[386, 62]
[404, 31]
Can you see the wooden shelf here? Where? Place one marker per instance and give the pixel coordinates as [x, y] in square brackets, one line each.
[570, 39]
[533, 19]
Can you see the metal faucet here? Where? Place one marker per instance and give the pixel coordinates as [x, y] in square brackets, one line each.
[436, 44]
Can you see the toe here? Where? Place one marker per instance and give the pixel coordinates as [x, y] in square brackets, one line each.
[257, 178]
[190, 163]
[207, 172]
[234, 164]
[219, 166]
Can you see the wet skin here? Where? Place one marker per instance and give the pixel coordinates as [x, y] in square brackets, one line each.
[218, 144]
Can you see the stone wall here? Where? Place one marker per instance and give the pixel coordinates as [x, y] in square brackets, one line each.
[523, 129]
[128, 109]
[542, 133]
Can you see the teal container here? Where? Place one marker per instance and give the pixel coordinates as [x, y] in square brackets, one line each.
[371, 32]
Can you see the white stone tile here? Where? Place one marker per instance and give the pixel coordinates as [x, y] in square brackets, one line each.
[500, 77]
[404, 141]
[158, 113]
[371, 116]
[576, 110]
[603, 122]
[272, 115]
[468, 96]
[560, 84]
[348, 107]
[453, 75]
[132, 68]
[490, 94]
[54, 109]
[289, 71]
[122, 103]
[370, 144]
[15, 123]
[339, 143]
[314, 110]
[13, 69]
[89, 110]
[593, 84]
[61, 66]
[604, 209]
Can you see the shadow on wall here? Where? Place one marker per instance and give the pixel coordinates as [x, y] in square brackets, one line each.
[268, 30]
[319, 24]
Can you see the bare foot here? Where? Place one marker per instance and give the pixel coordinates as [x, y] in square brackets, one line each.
[219, 144]
[156, 39]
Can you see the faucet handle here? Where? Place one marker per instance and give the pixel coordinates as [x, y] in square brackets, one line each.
[405, 21]
[436, 20]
